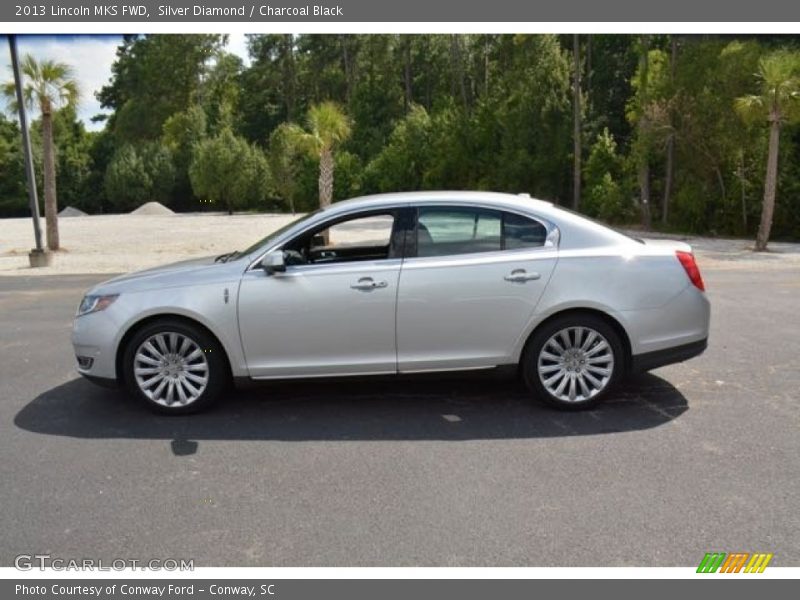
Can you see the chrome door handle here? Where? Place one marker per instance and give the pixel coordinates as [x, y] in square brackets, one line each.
[367, 283]
[521, 276]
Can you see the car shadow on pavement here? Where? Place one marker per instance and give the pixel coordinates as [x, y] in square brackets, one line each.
[468, 407]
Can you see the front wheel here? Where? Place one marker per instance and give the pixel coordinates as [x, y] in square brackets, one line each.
[174, 367]
[572, 362]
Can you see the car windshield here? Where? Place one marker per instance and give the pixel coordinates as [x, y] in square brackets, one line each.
[268, 238]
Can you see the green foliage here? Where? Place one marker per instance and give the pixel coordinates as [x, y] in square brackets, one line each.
[349, 175]
[74, 162]
[400, 166]
[229, 172]
[13, 191]
[139, 174]
[153, 77]
[182, 132]
[607, 196]
[48, 85]
[328, 126]
[779, 94]
[284, 162]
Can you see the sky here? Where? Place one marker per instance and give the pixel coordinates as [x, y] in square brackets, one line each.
[90, 55]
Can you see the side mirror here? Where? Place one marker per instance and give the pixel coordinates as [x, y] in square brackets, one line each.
[273, 262]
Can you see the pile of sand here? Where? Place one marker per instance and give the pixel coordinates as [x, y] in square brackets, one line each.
[154, 209]
[71, 211]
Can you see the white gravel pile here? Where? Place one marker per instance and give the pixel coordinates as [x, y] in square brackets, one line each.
[71, 211]
[155, 209]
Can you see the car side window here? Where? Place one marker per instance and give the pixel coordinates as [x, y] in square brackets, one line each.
[443, 231]
[365, 237]
[522, 232]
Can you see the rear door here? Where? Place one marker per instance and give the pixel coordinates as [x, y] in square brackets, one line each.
[469, 285]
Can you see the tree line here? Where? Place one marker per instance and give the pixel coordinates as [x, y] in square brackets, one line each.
[674, 132]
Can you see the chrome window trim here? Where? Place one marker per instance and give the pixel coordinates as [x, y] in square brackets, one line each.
[552, 239]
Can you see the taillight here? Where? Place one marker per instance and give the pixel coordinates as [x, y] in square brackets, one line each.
[690, 266]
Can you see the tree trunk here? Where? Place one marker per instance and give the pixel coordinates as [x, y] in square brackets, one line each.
[644, 133]
[644, 186]
[486, 66]
[588, 85]
[347, 67]
[325, 177]
[459, 81]
[670, 167]
[408, 79]
[576, 122]
[50, 204]
[289, 85]
[742, 183]
[770, 184]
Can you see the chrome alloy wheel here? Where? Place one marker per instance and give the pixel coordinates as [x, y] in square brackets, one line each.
[575, 364]
[171, 369]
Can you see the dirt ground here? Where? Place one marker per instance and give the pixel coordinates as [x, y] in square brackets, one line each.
[122, 243]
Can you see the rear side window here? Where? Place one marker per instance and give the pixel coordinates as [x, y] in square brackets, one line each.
[443, 231]
[522, 232]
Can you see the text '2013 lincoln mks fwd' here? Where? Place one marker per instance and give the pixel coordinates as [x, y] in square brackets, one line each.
[403, 283]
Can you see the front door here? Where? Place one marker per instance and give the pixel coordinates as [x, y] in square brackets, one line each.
[332, 312]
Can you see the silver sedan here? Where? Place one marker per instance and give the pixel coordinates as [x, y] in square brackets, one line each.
[402, 283]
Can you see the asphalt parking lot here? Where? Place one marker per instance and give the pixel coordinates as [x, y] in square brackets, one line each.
[431, 472]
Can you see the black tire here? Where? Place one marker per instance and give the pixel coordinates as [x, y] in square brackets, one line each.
[529, 363]
[217, 368]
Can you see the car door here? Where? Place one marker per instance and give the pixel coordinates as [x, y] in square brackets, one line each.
[332, 312]
[469, 286]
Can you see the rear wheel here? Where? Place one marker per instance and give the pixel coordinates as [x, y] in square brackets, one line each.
[174, 367]
[572, 362]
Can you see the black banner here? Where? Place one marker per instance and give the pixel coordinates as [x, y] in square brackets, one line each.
[408, 11]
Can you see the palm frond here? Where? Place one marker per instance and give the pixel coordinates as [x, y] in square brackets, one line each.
[45, 81]
[752, 109]
[328, 123]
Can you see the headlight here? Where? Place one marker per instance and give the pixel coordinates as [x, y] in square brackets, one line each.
[92, 303]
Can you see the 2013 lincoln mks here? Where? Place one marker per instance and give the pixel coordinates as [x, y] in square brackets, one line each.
[402, 283]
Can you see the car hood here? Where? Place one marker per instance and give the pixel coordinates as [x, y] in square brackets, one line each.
[185, 272]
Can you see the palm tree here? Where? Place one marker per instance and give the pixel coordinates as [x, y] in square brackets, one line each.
[328, 126]
[777, 103]
[50, 85]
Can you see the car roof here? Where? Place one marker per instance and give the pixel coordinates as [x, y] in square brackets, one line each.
[501, 200]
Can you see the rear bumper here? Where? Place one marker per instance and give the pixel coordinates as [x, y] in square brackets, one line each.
[667, 356]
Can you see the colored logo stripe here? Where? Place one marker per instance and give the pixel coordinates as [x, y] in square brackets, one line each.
[734, 562]
[711, 562]
[758, 562]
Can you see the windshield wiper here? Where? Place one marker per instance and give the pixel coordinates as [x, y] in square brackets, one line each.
[226, 257]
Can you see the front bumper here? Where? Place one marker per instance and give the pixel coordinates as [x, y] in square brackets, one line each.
[94, 339]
